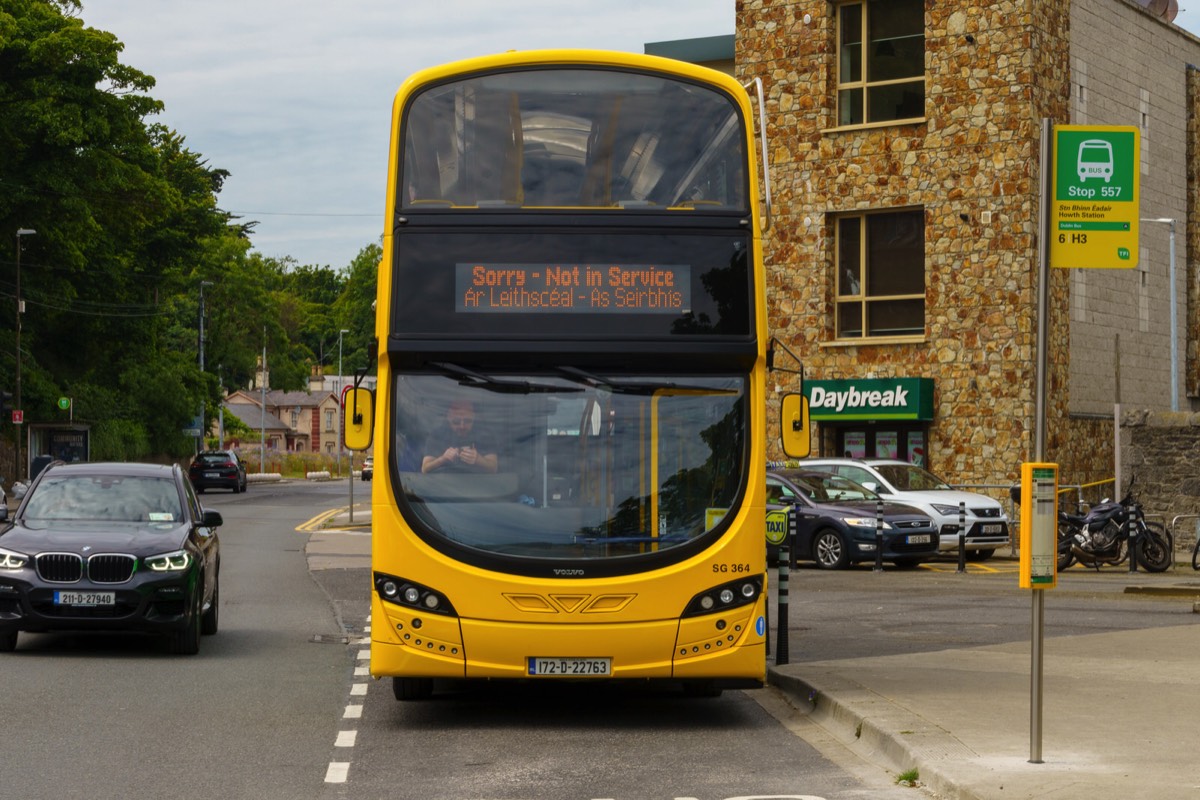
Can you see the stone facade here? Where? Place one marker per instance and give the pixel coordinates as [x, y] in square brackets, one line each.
[1158, 453]
[994, 71]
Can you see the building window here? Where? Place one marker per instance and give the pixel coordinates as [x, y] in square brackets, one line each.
[328, 420]
[880, 274]
[883, 81]
[295, 419]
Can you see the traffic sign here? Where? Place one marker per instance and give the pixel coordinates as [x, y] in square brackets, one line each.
[18, 416]
[1094, 198]
[64, 403]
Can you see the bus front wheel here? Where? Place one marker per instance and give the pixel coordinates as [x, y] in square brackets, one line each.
[412, 688]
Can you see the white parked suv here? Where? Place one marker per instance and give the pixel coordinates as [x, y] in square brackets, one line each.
[986, 522]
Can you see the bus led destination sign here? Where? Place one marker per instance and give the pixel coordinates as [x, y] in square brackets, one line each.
[573, 288]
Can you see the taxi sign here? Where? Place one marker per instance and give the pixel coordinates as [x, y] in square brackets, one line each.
[1094, 198]
[777, 527]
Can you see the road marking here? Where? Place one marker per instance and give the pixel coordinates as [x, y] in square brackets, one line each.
[362, 671]
[346, 739]
[363, 655]
[337, 771]
[358, 689]
[352, 712]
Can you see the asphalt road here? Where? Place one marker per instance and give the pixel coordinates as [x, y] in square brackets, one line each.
[278, 703]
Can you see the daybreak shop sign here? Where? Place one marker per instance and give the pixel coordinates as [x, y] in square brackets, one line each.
[870, 398]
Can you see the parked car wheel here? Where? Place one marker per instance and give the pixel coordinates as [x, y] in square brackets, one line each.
[210, 620]
[829, 551]
[186, 642]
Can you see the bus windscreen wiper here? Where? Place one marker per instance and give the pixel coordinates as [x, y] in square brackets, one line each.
[468, 377]
[647, 388]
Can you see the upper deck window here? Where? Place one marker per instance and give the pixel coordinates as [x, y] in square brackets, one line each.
[573, 138]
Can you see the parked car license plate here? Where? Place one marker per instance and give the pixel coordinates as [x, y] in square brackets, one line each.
[85, 598]
[212, 474]
[570, 667]
[918, 538]
[993, 529]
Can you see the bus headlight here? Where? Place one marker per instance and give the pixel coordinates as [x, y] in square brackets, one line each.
[724, 597]
[408, 594]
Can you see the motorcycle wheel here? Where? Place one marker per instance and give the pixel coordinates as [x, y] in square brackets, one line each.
[1066, 535]
[1155, 548]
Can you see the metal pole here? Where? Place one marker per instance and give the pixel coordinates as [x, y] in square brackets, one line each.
[785, 565]
[262, 440]
[1170, 223]
[1174, 329]
[962, 536]
[339, 400]
[200, 437]
[878, 536]
[1037, 611]
[20, 311]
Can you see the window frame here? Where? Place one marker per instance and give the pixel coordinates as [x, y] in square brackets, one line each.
[863, 297]
[864, 85]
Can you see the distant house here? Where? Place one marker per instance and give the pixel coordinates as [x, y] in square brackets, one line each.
[297, 421]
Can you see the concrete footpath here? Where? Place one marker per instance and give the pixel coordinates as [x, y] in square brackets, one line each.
[1120, 716]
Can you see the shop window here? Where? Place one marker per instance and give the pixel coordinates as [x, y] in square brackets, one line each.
[880, 280]
[881, 62]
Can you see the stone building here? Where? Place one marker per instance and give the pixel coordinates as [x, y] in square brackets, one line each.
[903, 260]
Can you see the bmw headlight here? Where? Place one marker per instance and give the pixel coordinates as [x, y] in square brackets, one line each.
[864, 522]
[10, 559]
[170, 562]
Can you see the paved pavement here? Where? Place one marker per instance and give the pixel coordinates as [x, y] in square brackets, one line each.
[1120, 713]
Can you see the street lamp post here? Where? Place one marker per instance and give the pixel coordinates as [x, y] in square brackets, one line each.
[1174, 330]
[339, 397]
[200, 437]
[20, 310]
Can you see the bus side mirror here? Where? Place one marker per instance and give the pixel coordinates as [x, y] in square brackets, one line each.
[794, 423]
[358, 418]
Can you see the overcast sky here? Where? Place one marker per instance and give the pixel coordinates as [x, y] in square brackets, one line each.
[294, 97]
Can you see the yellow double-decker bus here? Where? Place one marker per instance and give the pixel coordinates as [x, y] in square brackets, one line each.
[568, 424]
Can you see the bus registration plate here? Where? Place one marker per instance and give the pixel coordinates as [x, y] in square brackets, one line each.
[541, 666]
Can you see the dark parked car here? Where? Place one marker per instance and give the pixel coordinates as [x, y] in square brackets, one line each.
[110, 547]
[836, 521]
[218, 469]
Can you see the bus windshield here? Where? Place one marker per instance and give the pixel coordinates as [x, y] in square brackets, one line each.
[573, 137]
[567, 464]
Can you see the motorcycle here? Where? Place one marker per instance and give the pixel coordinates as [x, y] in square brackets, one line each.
[1099, 538]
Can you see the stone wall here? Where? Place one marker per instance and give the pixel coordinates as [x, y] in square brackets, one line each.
[1159, 451]
[993, 71]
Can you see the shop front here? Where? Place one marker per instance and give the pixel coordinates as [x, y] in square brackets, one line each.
[872, 417]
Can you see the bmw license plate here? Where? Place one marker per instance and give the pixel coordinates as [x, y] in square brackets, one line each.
[570, 667]
[918, 538]
[993, 529]
[85, 598]
[212, 474]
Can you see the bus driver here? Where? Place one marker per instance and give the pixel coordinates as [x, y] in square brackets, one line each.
[457, 447]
